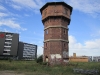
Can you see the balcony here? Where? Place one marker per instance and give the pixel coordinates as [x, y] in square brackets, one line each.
[7, 46]
[9, 35]
[7, 50]
[6, 53]
[8, 42]
[8, 38]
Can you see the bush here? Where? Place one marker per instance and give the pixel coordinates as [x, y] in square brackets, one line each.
[45, 63]
[39, 59]
[10, 59]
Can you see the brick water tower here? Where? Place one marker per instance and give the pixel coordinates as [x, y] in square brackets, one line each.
[56, 18]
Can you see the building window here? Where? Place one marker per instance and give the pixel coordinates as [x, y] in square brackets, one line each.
[46, 31]
[64, 44]
[45, 44]
[66, 11]
[4, 51]
[64, 31]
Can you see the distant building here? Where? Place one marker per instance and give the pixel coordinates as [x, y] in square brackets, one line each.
[8, 44]
[11, 47]
[27, 51]
[90, 58]
[75, 58]
[96, 58]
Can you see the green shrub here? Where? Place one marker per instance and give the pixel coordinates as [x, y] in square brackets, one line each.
[39, 59]
[10, 59]
[45, 63]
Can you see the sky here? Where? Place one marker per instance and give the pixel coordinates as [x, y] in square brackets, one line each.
[24, 17]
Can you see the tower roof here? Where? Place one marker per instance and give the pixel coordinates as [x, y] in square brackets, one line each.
[57, 3]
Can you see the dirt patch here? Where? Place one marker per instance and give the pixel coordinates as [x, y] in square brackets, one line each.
[10, 73]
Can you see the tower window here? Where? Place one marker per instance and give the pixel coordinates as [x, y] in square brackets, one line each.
[66, 11]
[46, 31]
[64, 31]
[50, 20]
[45, 44]
[64, 44]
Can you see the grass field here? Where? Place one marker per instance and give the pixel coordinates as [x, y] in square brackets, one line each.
[33, 68]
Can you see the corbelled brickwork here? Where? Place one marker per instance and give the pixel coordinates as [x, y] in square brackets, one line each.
[56, 18]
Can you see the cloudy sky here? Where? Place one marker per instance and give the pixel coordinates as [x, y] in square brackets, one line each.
[23, 17]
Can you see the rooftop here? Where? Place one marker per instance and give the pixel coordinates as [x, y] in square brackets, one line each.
[56, 3]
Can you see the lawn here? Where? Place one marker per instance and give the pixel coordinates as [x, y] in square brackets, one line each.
[33, 68]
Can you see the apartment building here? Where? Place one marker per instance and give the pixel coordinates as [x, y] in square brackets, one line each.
[27, 51]
[8, 44]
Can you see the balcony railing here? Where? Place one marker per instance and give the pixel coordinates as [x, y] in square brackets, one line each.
[7, 46]
[6, 53]
[8, 42]
[7, 50]
[9, 35]
[8, 38]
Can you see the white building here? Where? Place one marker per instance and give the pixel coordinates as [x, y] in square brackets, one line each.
[96, 58]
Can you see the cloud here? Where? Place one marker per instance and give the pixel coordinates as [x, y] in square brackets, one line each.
[90, 47]
[27, 15]
[25, 3]
[16, 7]
[92, 44]
[8, 19]
[3, 14]
[87, 6]
[33, 5]
[11, 23]
[2, 8]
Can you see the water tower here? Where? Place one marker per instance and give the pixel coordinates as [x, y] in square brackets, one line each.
[56, 18]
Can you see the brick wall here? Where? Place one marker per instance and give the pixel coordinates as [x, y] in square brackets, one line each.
[55, 19]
